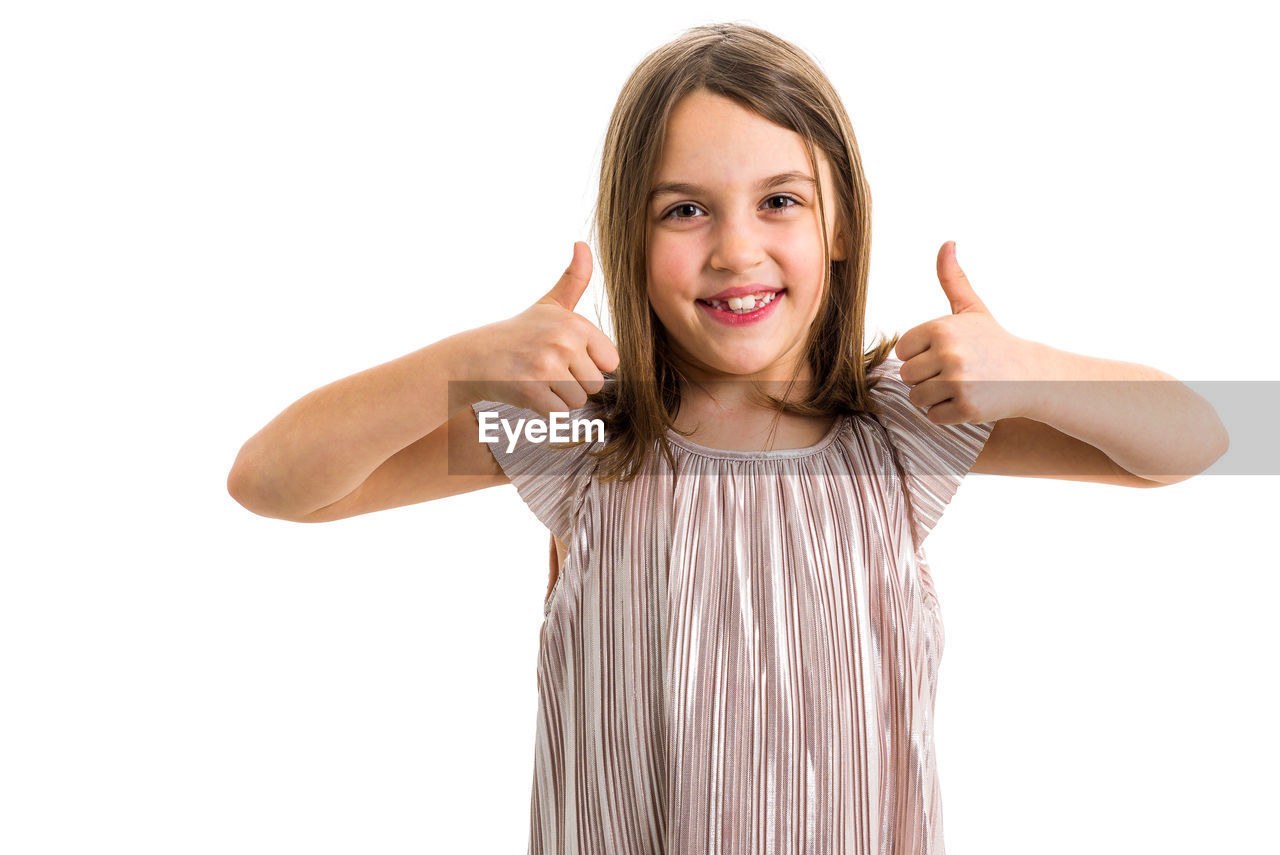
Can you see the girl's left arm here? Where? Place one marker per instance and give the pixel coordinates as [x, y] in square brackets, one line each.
[1147, 422]
[1056, 414]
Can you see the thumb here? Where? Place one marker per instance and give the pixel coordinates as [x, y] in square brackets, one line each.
[569, 289]
[955, 284]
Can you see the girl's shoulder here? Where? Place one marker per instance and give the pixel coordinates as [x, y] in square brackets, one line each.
[547, 460]
[934, 457]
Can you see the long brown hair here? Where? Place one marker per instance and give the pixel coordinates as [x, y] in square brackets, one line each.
[776, 80]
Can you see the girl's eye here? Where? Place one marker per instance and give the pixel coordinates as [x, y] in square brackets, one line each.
[788, 198]
[670, 214]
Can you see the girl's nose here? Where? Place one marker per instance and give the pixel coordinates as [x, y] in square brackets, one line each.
[737, 247]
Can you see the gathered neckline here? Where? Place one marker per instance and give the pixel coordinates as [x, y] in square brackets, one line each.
[775, 454]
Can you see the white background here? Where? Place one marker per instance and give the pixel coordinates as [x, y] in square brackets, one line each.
[209, 210]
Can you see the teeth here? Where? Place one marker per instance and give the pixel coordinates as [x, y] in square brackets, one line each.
[749, 303]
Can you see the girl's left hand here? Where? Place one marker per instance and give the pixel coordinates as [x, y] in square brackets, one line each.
[948, 361]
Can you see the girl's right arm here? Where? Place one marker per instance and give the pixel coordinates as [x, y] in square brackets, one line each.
[381, 438]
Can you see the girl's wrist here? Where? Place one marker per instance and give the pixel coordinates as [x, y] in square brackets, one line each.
[461, 360]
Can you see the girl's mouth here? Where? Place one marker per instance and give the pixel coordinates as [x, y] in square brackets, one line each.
[725, 315]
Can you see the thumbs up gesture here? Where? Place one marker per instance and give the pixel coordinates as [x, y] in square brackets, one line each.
[548, 358]
[948, 360]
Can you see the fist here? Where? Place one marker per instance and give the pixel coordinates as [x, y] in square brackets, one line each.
[950, 361]
[548, 358]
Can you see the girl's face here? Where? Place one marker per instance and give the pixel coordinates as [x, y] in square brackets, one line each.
[730, 227]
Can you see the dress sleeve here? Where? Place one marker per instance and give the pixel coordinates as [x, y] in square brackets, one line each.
[934, 457]
[549, 476]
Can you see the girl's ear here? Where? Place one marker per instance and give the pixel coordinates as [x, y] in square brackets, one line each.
[837, 247]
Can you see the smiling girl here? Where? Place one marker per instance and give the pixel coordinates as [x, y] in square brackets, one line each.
[741, 639]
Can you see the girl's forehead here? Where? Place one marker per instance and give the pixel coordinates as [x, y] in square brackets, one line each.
[728, 130]
[722, 143]
[725, 173]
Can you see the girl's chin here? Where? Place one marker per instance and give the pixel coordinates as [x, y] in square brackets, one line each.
[744, 363]
[736, 369]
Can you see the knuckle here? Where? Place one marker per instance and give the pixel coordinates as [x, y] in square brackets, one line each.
[561, 347]
[542, 363]
[952, 361]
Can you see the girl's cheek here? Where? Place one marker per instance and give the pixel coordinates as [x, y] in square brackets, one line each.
[669, 264]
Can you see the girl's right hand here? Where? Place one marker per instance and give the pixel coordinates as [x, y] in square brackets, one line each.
[546, 359]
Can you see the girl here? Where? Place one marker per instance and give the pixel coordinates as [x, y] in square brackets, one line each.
[741, 638]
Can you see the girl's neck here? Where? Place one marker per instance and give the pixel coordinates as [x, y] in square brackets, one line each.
[722, 415]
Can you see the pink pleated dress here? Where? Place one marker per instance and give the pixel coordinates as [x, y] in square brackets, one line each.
[743, 660]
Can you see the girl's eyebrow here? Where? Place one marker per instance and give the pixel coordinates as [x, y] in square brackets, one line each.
[684, 187]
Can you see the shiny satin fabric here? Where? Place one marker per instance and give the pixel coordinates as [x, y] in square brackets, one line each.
[744, 659]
